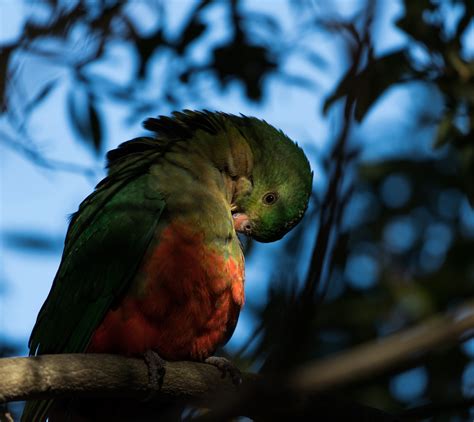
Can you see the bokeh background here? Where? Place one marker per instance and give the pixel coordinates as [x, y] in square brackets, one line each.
[379, 94]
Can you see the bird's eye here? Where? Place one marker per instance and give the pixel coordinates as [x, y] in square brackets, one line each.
[270, 198]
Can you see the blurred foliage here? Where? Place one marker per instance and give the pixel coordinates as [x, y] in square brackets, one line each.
[403, 249]
[77, 35]
[436, 56]
[393, 238]
[420, 248]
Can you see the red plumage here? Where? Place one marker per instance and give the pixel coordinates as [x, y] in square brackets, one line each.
[184, 302]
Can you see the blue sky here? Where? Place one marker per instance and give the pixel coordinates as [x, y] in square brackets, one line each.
[37, 199]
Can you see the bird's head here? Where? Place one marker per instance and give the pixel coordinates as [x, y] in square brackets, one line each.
[271, 198]
[278, 191]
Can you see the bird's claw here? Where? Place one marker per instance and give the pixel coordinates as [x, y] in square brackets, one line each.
[156, 372]
[226, 367]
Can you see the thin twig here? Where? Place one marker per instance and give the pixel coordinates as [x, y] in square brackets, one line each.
[331, 204]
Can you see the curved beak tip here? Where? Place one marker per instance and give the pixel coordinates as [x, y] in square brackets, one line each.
[242, 223]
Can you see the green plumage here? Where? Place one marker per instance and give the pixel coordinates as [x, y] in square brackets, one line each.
[195, 156]
[123, 228]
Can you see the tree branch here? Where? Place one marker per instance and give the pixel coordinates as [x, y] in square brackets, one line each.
[373, 358]
[306, 388]
[96, 375]
[101, 375]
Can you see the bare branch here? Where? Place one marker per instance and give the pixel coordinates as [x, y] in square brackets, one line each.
[96, 375]
[307, 386]
[370, 359]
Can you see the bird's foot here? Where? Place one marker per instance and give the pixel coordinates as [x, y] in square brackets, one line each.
[226, 367]
[156, 372]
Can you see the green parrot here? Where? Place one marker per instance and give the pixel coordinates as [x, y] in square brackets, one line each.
[151, 259]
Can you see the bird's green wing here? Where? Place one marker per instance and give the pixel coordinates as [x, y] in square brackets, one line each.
[105, 244]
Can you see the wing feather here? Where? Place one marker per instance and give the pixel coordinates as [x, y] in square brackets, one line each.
[105, 244]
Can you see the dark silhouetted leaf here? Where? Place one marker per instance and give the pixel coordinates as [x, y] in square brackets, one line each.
[146, 46]
[96, 127]
[76, 103]
[245, 62]
[368, 86]
[379, 76]
[4, 60]
[447, 130]
[192, 31]
[415, 24]
[42, 94]
[85, 118]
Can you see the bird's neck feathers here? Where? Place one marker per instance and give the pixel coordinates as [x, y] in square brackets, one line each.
[199, 178]
[228, 155]
[200, 155]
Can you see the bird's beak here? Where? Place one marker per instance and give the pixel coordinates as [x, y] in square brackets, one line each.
[242, 223]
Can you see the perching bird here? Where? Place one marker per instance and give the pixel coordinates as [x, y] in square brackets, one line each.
[152, 260]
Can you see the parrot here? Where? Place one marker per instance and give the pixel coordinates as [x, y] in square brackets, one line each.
[152, 259]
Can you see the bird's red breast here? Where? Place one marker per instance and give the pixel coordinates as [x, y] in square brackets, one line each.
[184, 302]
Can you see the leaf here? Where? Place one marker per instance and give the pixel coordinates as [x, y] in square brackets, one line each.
[368, 86]
[446, 132]
[379, 76]
[42, 94]
[415, 24]
[342, 90]
[85, 118]
[192, 31]
[465, 20]
[146, 47]
[96, 126]
[5, 53]
[246, 62]
[75, 103]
